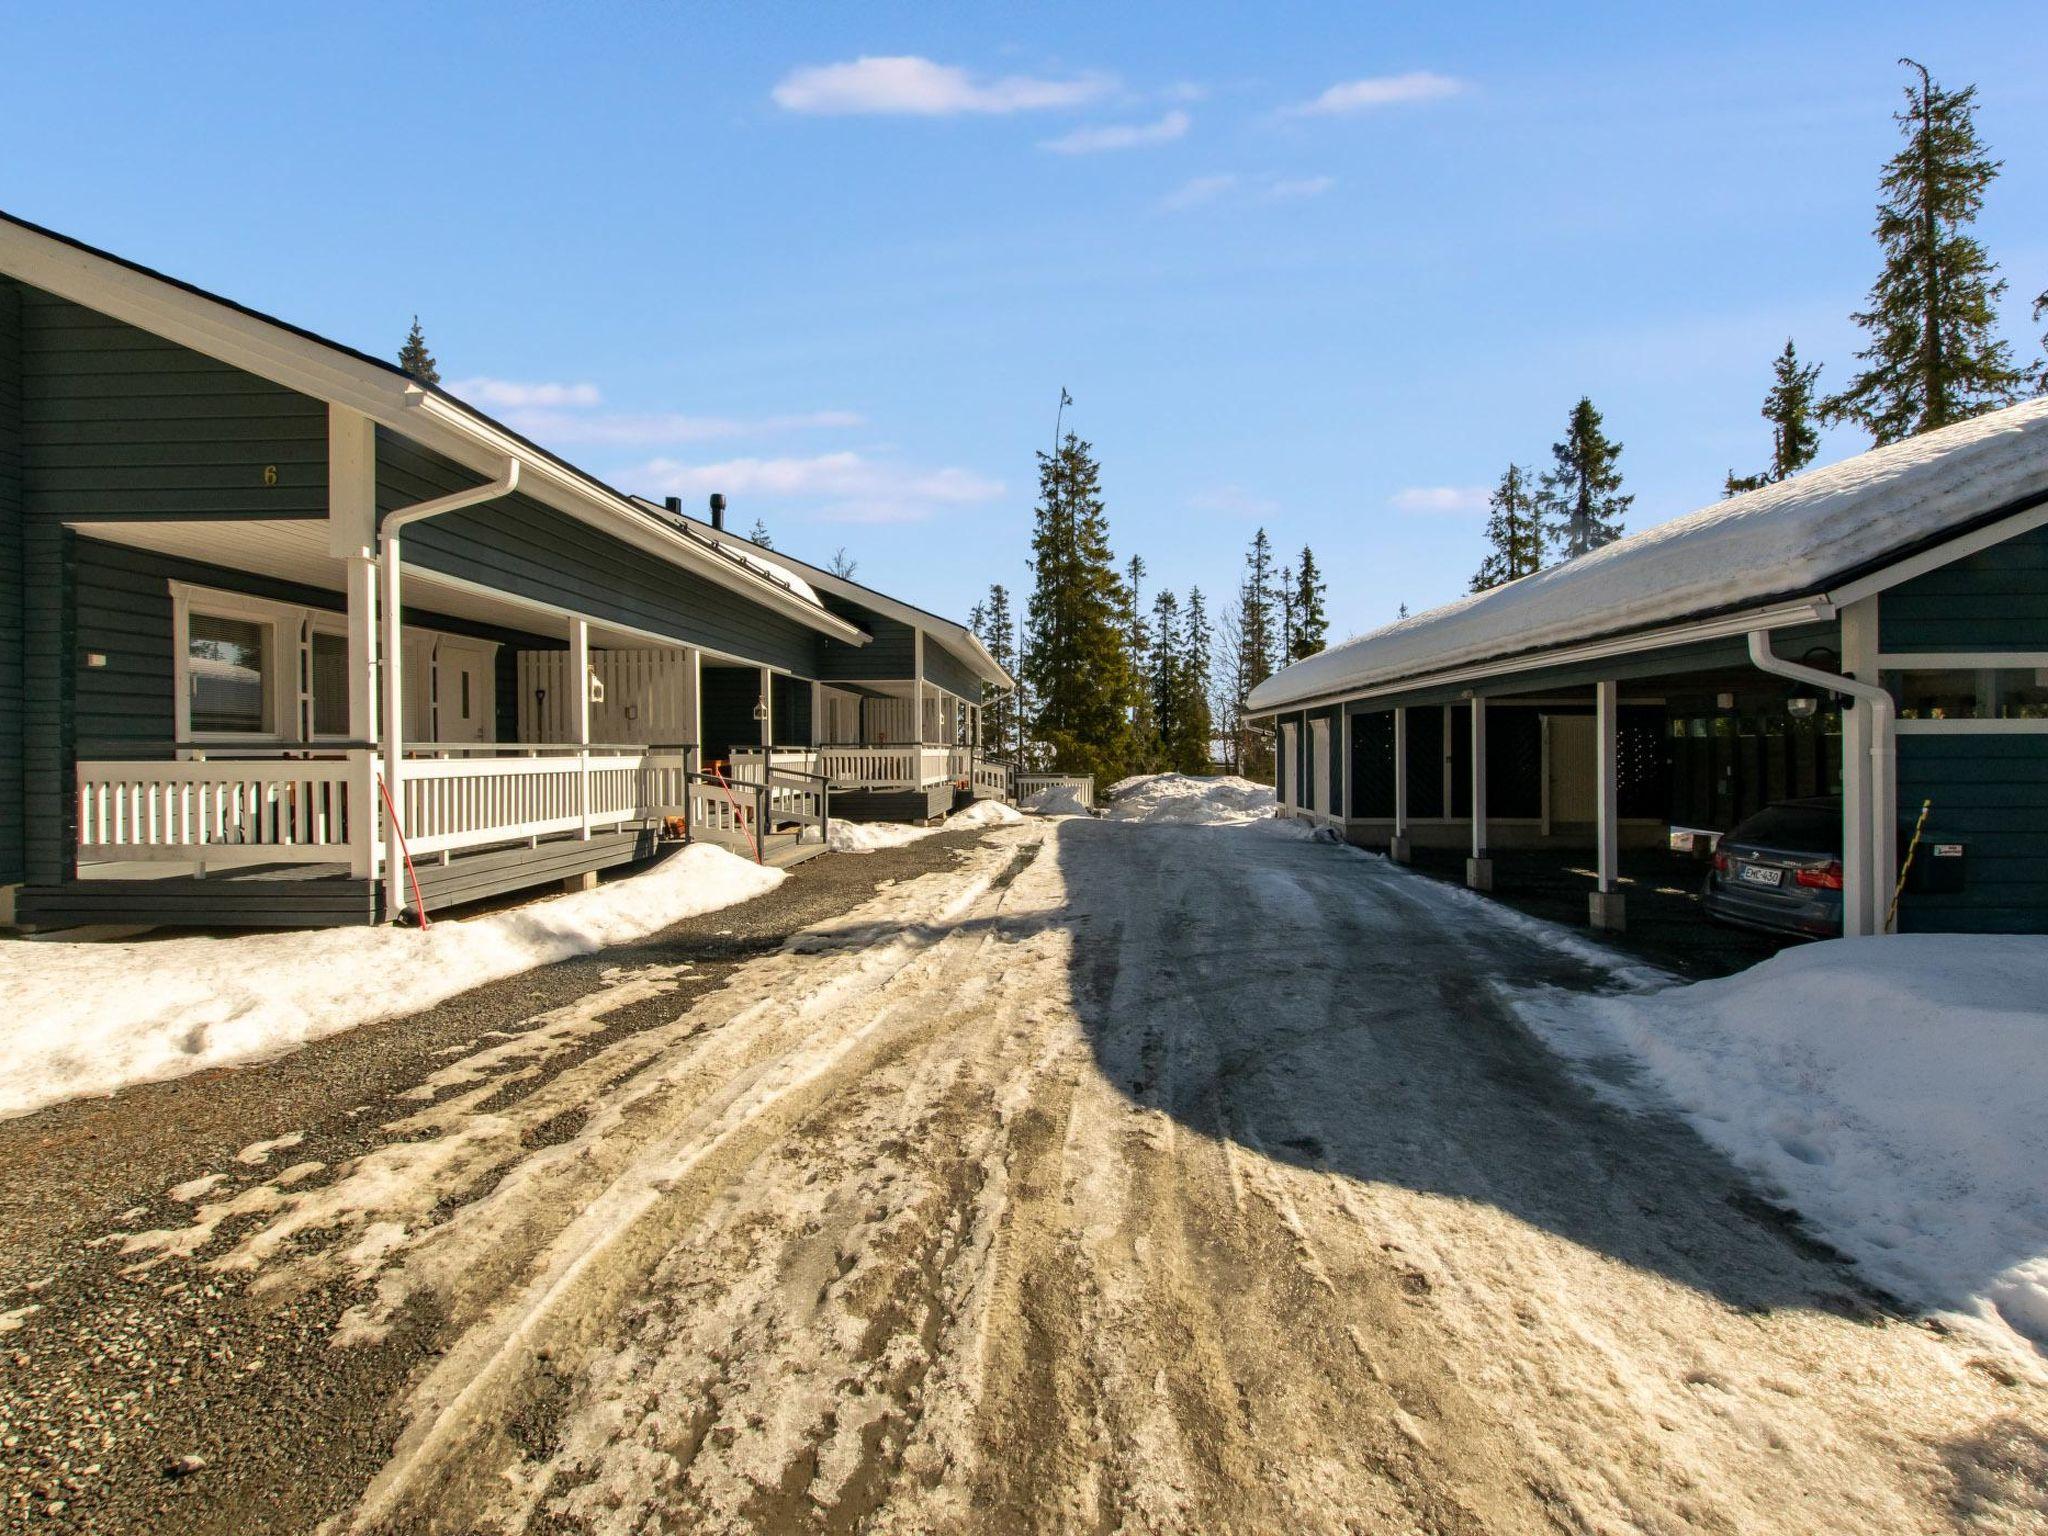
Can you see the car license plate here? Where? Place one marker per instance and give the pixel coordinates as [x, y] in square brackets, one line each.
[1757, 874]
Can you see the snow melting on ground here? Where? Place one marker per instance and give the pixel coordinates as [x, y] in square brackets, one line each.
[1057, 800]
[868, 836]
[1186, 798]
[80, 1019]
[1890, 1090]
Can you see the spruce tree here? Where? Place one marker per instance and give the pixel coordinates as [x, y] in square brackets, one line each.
[1078, 665]
[1311, 617]
[2041, 373]
[414, 357]
[1795, 433]
[1188, 751]
[1283, 605]
[1138, 658]
[1253, 660]
[1163, 668]
[758, 534]
[1932, 357]
[1580, 499]
[1513, 530]
[992, 621]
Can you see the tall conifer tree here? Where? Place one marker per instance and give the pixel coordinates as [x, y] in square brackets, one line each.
[1795, 432]
[1163, 674]
[1255, 648]
[1932, 358]
[993, 622]
[1078, 664]
[1580, 499]
[1189, 750]
[1514, 533]
[1138, 657]
[1311, 617]
[758, 534]
[414, 357]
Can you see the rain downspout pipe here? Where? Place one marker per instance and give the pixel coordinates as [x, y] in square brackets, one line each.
[1883, 768]
[392, 651]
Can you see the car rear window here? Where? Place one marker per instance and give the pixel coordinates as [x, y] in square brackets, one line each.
[1796, 828]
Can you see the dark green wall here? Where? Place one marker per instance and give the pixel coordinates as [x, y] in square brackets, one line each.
[790, 710]
[12, 692]
[950, 672]
[1994, 600]
[517, 545]
[727, 696]
[891, 654]
[1989, 793]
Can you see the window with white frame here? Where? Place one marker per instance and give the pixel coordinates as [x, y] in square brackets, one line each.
[230, 674]
[1967, 692]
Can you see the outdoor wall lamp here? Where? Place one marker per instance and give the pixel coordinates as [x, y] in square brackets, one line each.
[761, 709]
[1802, 705]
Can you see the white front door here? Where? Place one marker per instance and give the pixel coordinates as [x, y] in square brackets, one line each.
[1287, 770]
[1319, 765]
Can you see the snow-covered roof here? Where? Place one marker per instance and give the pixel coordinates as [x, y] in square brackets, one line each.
[1800, 537]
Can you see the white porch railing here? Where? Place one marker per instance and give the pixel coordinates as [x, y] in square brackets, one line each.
[248, 812]
[1029, 784]
[905, 767]
[267, 810]
[991, 779]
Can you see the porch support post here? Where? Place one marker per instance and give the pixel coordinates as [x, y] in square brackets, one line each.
[1607, 907]
[352, 538]
[1866, 876]
[768, 716]
[391, 652]
[917, 681]
[1479, 868]
[1397, 849]
[579, 715]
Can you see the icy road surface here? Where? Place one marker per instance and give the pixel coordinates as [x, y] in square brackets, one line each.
[1123, 1177]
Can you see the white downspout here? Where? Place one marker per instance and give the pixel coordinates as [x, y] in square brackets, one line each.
[1883, 773]
[392, 652]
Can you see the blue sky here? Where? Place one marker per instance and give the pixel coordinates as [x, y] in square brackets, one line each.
[1321, 267]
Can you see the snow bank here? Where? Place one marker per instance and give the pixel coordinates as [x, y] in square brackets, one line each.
[868, 836]
[80, 1019]
[1890, 1090]
[1057, 800]
[1189, 799]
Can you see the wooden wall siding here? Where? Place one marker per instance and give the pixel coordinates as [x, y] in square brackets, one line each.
[119, 423]
[654, 683]
[888, 721]
[49, 811]
[1994, 600]
[950, 672]
[891, 654]
[1990, 793]
[13, 696]
[517, 545]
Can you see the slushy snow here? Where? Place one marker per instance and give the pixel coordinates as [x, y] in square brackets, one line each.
[1890, 1090]
[868, 836]
[79, 1019]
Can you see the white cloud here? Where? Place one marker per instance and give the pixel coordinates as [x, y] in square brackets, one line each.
[1198, 190]
[1454, 499]
[1295, 187]
[1091, 141]
[1234, 501]
[908, 86]
[1375, 91]
[518, 394]
[844, 487]
[1202, 190]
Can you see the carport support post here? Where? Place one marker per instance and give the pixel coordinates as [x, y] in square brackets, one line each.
[1607, 906]
[1397, 850]
[1479, 868]
[579, 722]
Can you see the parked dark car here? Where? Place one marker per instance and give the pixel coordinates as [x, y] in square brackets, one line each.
[1782, 870]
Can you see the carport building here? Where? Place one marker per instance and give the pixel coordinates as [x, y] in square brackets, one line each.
[1877, 629]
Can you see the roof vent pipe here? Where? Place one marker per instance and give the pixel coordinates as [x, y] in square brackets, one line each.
[718, 511]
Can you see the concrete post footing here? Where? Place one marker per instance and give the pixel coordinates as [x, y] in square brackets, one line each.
[1479, 874]
[1607, 911]
[1397, 850]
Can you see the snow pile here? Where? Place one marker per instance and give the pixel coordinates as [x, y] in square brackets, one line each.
[1057, 800]
[1188, 799]
[1792, 537]
[868, 836]
[80, 1019]
[1890, 1090]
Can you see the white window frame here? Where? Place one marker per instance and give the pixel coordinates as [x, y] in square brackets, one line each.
[1965, 661]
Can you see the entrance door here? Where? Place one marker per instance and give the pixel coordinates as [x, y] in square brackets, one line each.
[1287, 769]
[465, 693]
[1570, 769]
[1319, 765]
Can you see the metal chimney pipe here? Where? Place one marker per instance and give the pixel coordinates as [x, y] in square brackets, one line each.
[674, 505]
[718, 511]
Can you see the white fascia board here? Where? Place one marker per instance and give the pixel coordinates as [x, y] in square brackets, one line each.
[324, 372]
[1781, 616]
[947, 629]
[1940, 555]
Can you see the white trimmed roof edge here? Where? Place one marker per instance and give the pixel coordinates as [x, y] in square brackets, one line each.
[1800, 537]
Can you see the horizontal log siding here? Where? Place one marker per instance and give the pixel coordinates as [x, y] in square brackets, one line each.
[119, 423]
[950, 672]
[891, 654]
[1990, 793]
[516, 545]
[13, 693]
[1994, 600]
